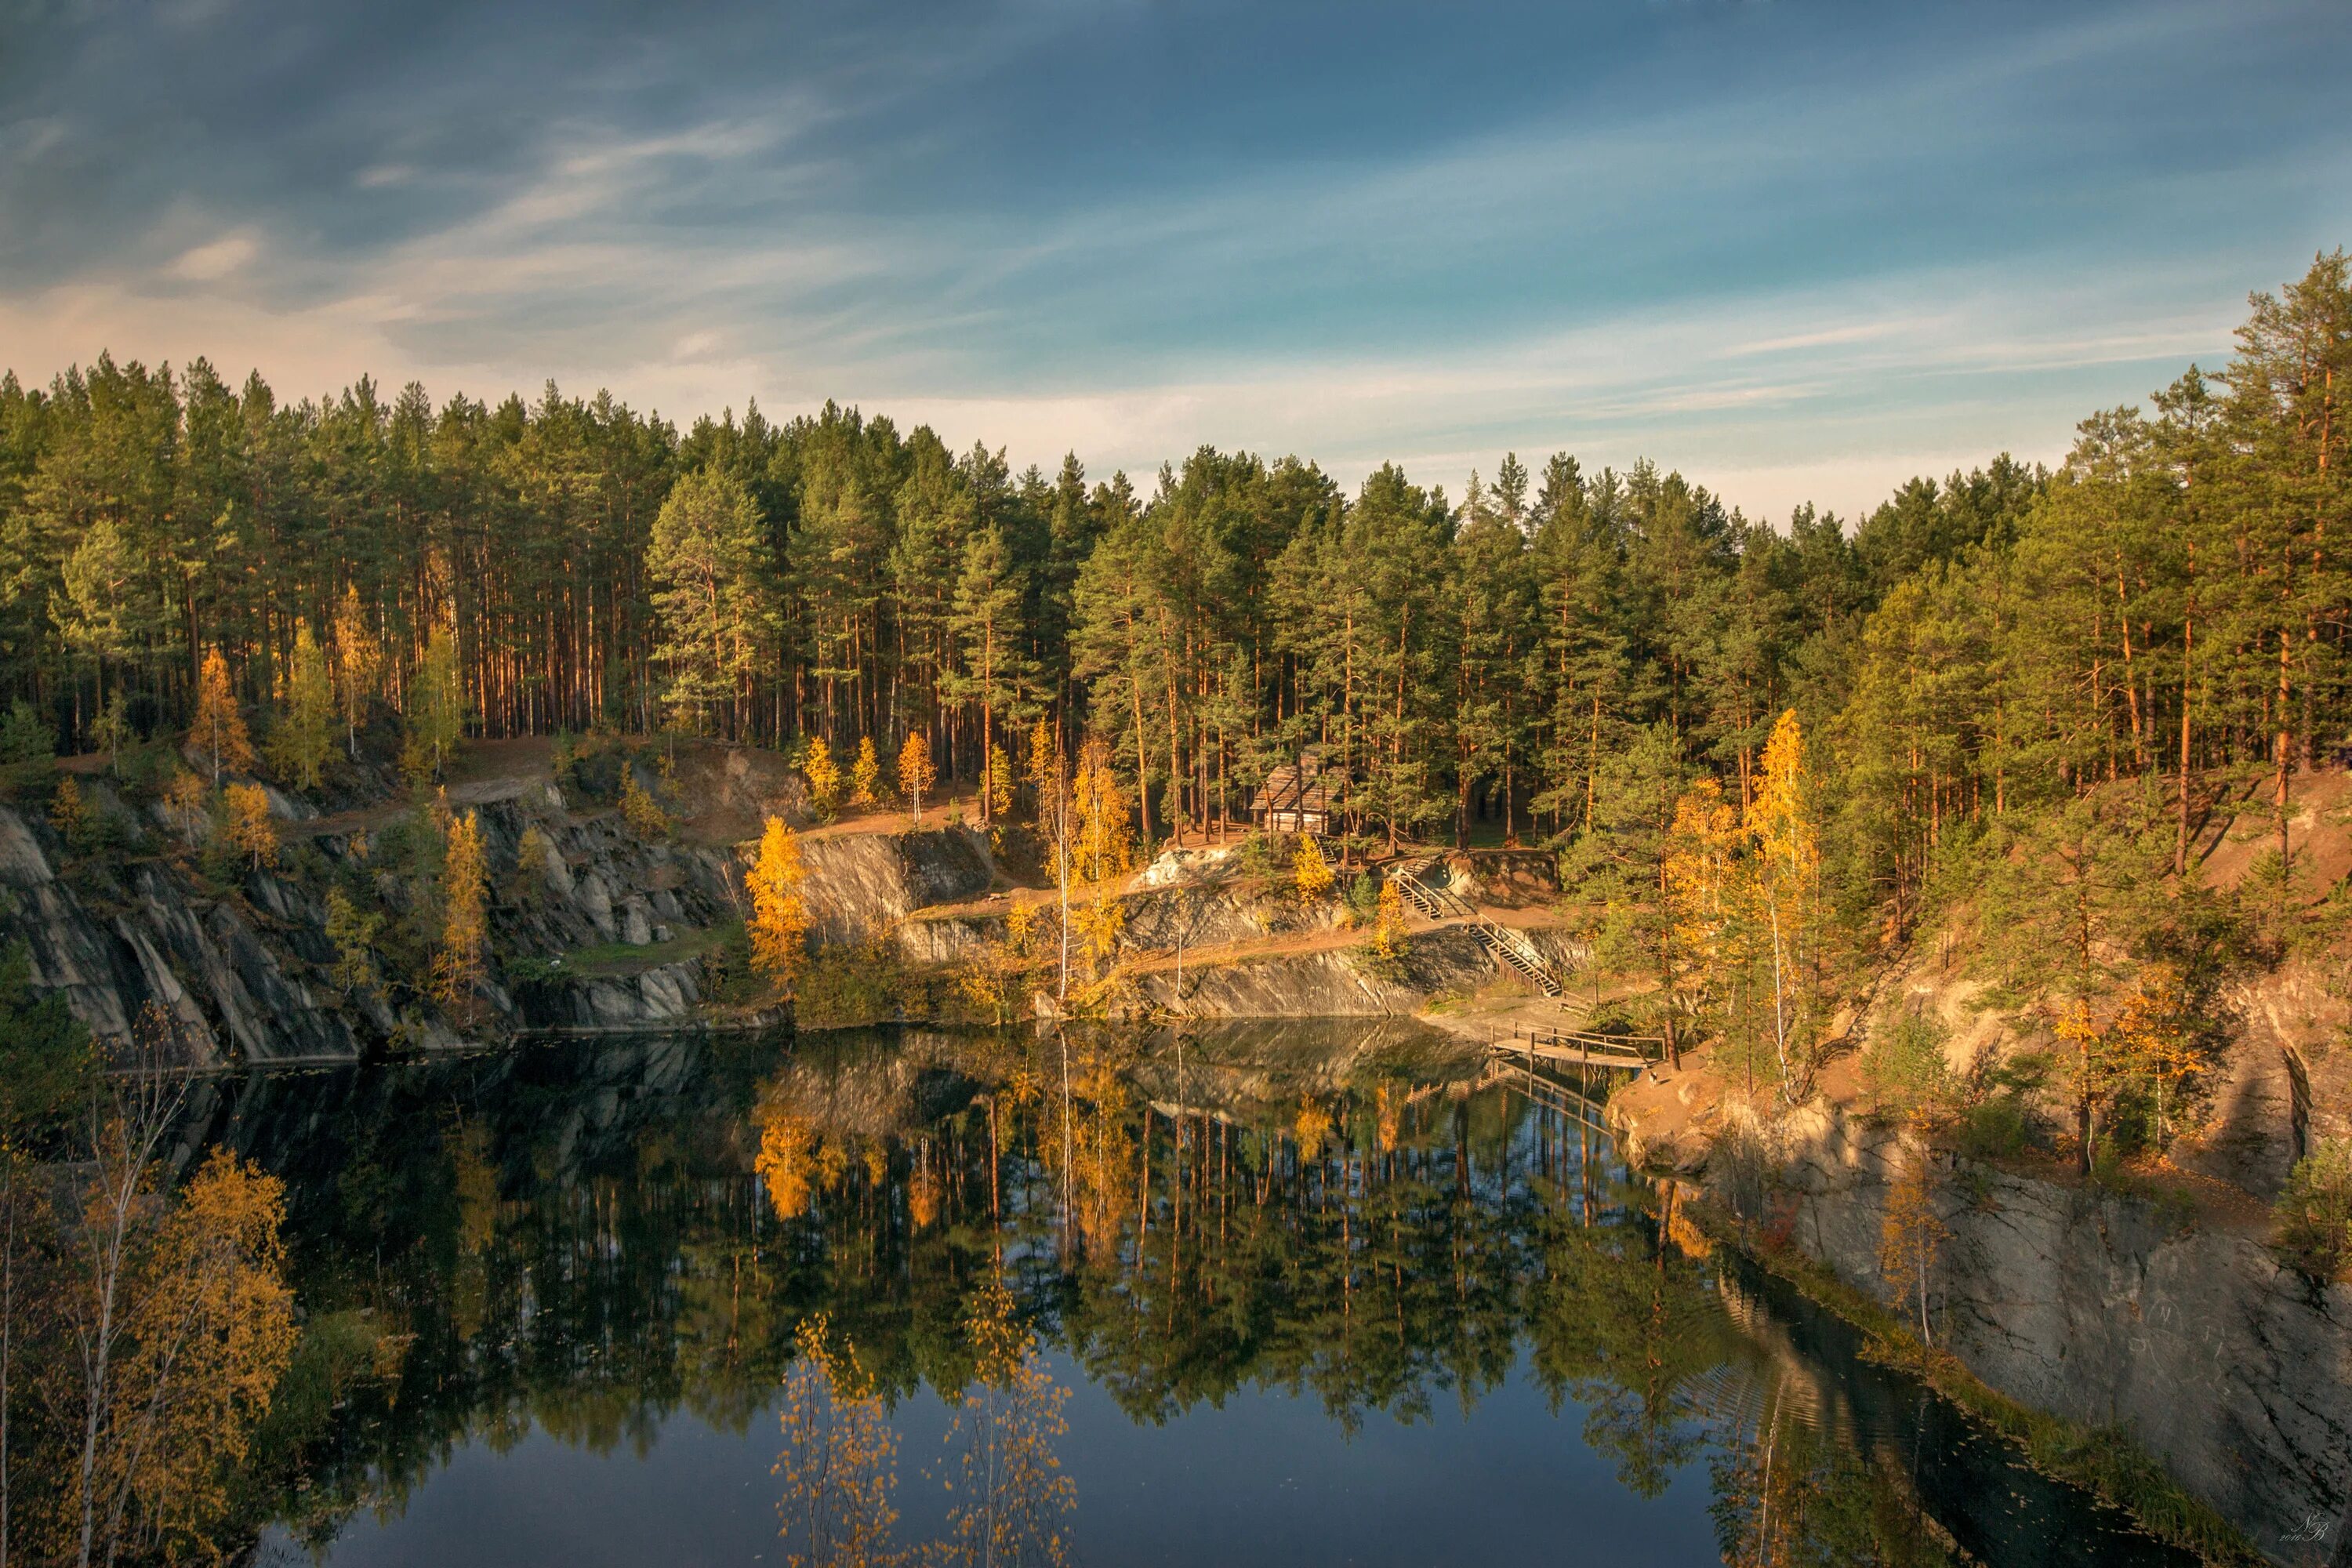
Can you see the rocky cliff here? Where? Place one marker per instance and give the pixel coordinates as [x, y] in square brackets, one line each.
[2106, 1307]
[599, 926]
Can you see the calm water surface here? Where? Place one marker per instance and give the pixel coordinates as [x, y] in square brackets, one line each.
[1313, 1295]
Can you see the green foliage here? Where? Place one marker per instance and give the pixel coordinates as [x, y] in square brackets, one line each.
[46, 1066]
[353, 931]
[714, 594]
[2314, 1215]
[1992, 1130]
[1256, 856]
[1903, 1065]
[25, 735]
[850, 983]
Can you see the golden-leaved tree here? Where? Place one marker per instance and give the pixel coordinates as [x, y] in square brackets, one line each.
[217, 730]
[459, 965]
[824, 776]
[866, 774]
[250, 827]
[359, 665]
[1013, 1499]
[779, 924]
[1911, 1237]
[164, 1326]
[915, 774]
[839, 1463]
[1783, 895]
[1310, 871]
[303, 736]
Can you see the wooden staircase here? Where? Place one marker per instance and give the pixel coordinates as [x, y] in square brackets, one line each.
[1509, 947]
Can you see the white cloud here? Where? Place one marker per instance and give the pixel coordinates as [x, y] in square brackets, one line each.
[210, 262]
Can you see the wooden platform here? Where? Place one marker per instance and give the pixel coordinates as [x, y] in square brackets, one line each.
[1572, 1054]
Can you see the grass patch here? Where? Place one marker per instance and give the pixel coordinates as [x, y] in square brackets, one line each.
[607, 959]
[2103, 1460]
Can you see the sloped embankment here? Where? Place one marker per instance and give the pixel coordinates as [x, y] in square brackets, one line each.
[2156, 1306]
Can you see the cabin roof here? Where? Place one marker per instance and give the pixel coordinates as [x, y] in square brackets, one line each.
[1291, 788]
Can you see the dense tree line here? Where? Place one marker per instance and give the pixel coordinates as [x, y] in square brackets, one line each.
[2170, 602]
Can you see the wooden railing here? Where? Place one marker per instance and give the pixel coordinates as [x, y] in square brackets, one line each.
[1508, 946]
[1583, 1046]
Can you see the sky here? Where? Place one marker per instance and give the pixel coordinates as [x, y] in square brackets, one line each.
[1799, 249]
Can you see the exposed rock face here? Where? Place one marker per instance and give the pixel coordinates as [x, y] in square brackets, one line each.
[246, 972]
[861, 883]
[2234, 1370]
[120, 939]
[1330, 982]
[245, 977]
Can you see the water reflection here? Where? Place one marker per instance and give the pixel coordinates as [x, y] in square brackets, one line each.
[590, 1242]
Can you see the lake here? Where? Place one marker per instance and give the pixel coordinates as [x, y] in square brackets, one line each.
[1267, 1295]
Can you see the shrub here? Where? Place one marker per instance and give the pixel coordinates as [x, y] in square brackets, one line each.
[1256, 856]
[640, 810]
[1993, 1131]
[2314, 1214]
[1903, 1064]
[848, 985]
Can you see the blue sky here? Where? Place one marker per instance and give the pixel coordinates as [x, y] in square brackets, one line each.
[1796, 249]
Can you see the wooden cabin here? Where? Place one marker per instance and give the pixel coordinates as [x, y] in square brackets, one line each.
[1299, 798]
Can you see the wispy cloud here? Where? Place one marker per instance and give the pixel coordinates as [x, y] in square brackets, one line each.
[1759, 243]
[215, 259]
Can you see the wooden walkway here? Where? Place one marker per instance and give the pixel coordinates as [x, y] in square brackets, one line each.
[1576, 1048]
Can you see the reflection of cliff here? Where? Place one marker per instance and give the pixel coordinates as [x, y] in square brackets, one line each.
[2232, 1370]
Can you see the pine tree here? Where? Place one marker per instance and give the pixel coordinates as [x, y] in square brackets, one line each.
[359, 665]
[995, 675]
[779, 924]
[217, 730]
[707, 556]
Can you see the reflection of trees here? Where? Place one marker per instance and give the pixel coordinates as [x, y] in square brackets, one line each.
[1629, 1329]
[591, 1239]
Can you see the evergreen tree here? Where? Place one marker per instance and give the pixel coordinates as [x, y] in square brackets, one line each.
[706, 557]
